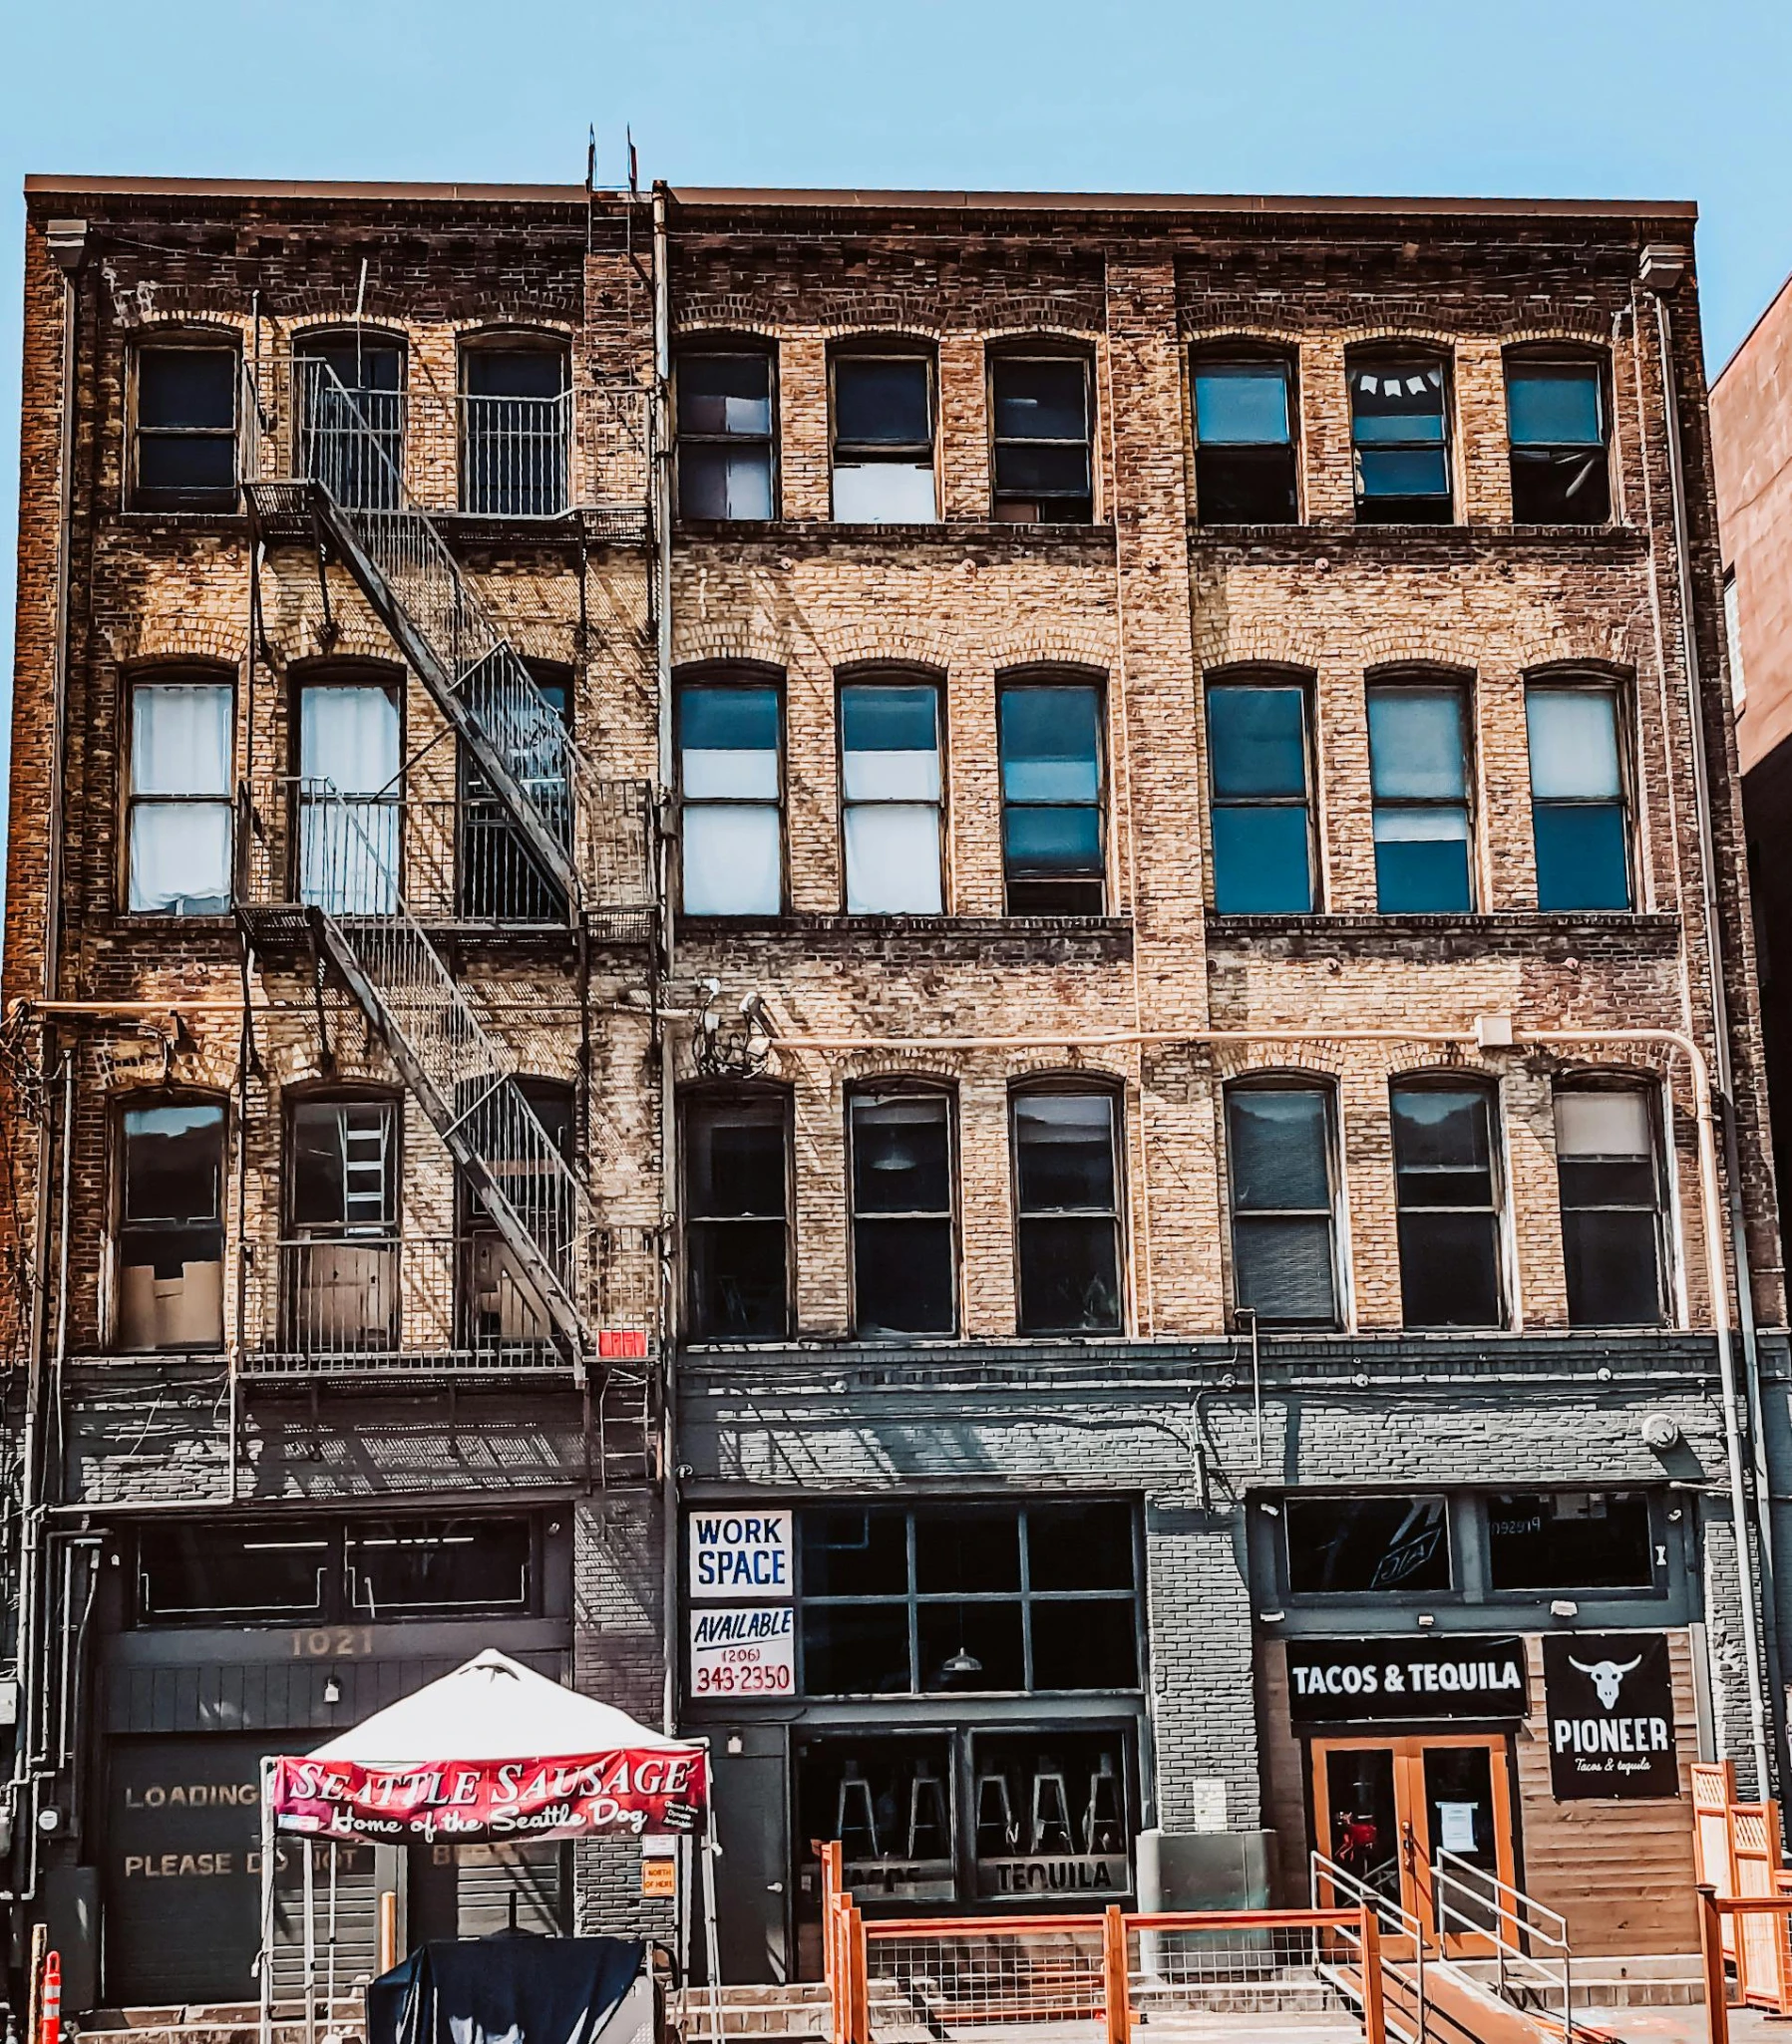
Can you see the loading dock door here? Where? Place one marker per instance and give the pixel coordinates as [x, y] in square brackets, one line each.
[182, 1860]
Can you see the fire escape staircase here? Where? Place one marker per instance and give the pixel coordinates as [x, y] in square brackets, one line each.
[350, 894]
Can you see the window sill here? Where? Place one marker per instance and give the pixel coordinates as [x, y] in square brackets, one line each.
[1622, 933]
[1346, 535]
[1022, 928]
[994, 532]
[144, 519]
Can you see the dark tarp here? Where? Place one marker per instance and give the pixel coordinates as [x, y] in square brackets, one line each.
[506, 1989]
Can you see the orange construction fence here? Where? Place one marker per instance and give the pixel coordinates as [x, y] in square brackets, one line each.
[1079, 1967]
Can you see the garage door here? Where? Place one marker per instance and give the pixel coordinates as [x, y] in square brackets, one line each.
[182, 1878]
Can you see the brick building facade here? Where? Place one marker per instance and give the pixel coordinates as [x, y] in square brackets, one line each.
[1119, 1054]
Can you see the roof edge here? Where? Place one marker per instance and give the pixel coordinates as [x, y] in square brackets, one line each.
[42, 184]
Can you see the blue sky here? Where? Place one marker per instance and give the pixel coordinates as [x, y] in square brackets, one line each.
[1580, 98]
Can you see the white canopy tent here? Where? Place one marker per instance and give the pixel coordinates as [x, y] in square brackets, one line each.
[489, 1750]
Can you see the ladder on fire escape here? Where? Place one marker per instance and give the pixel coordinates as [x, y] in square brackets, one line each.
[341, 470]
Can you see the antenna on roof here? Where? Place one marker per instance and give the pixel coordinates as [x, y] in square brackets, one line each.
[634, 169]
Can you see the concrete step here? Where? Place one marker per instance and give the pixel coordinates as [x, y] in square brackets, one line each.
[222, 2023]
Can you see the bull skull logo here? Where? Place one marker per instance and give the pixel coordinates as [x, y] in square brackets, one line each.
[1606, 1677]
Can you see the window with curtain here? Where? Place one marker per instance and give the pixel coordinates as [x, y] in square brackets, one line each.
[1418, 772]
[884, 440]
[1556, 419]
[1257, 765]
[1401, 437]
[1609, 1163]
[1283, 1204]
[1578, 817]
[349, 809]
[1067, 1212]
[185, 426]
[179, 834]
[731, 786]
[726, 439]
[1446, 1186]
[904, 1270]
[1040, 408]
[171, 1232]
[737, 1217]
[1244, 461]
[891, 798]
[1052, 854]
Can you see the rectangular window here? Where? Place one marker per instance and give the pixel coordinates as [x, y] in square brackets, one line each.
[186, 428]
[904, 1270]
[1358, 1547]
[342, 1263]
[1052, 857]
[737, 1233]
[349, 809]
[438, 1567]
[1418, 770]
[1556, 415]
[516, 426]
[1399, 437]
[171, 1232]
[1732, 639]
[1568, 1540]
[970, 1599]
[1606, 1158]
[179, 834]
[1446, 1192]
[1579, 820]
[731, 780]
[500, 878]
[725, 443]
[1244, 467]
[891, 791]
[884, 441]
[1261, 812]
[233, 1572]
[1040, 406]
[1067, 1213]
[1283, 1241]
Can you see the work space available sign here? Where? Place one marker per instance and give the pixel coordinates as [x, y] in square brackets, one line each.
[740, 1555]
[1609, 1697]
[1395, 1681]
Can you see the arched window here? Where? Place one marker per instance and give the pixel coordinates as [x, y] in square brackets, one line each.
[893, 793]
[730, 732]
[1054, 859]
[1447, 1191]
[1579, 793]
[905, 1263]
[1281, 1150]
[1040, 417]
[516, 425]
[1557, 421]
[349, 398]
[183, 449]
[170, 1241]
[1400, 435]
[1419, 775]
[1260, 767]
[1067, 1208]
[1247, 462]
[1613, 1204]
[725, 394]
[737, 1208]
[178, 828]
[884, 412]
[350, 809]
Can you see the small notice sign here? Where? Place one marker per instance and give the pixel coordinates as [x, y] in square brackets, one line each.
[659, 1876]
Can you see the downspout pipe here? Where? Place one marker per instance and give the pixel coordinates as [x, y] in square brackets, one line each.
[67, 243]
[1659, 277]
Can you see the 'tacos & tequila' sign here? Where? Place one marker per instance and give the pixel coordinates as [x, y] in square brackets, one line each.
[1388, 1681]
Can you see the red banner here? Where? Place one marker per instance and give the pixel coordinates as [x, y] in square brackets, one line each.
[629, 1790]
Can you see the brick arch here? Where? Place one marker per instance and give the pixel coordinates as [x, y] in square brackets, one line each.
[867, 1067]
[1057, 1060]
[1318, 1061]
[1580, 326]
[157, 636]
[146, 306]
[301, 638]
[1429, 1060]
[1200, 332]
[299, 1063]
[694, 324]
[1056, 646]
[1259, 644]
[1049, 324]
[902, 319]
[703, 645]
[875, 644]
[1417, 327]
[1415, 644]
[514, 315]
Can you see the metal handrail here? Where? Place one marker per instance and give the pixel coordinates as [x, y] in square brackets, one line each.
[1510, 1906]
[1389, 1914]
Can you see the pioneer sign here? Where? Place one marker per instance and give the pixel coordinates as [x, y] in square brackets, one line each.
[1394, 1681]
[1610, 1699]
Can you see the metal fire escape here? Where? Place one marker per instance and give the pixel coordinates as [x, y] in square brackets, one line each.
[340, 477]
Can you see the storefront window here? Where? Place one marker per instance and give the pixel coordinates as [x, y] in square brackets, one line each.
[1050, 1815]
[413, 1567]
[1351, 1545]
[889, 1801]
[937, 1601]
[1568, 1540]
[234, 1571]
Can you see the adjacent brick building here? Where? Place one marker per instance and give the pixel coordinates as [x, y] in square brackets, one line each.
[961, 983]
